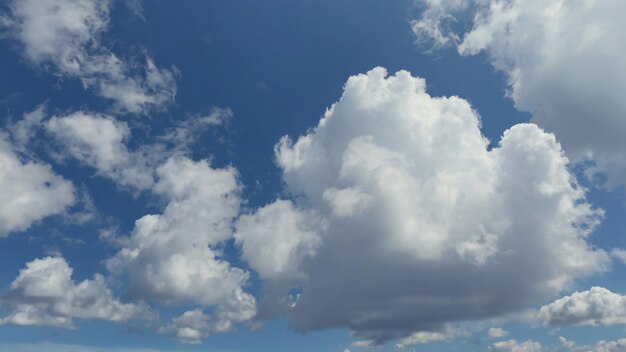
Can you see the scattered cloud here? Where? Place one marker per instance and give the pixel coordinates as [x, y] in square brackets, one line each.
[424, 337]
[30, 190]
[100, 141]
[514, 346]
[601, 346]
[173, 257]
[619, 254]
[45, 294]
[195, 325]
[65, 38]
[496, 333]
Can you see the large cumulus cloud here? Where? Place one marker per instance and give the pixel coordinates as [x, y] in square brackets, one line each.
[564, 64]
[419, 222]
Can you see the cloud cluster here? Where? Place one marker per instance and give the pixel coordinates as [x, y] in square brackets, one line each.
[514, 346]
[563, 61]
[422, 223]
[45, 294]
[65, 36]
[174, 257]
[194, 325]
[600, 346]
[30, 191]
[596, 306]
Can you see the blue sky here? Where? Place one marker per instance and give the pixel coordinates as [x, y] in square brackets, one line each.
[312, 175]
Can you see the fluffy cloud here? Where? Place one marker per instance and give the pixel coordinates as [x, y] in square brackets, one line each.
[611, 346]
[424, 337]
[174, 257]
[423, 224]
[65, 36]
[496, 333]
[277, 238]
[44, 294]
[194, 325]
[597, 306]
[514, 346]
[99, 141]
[601, 346]
[30, 191]
[564, 64]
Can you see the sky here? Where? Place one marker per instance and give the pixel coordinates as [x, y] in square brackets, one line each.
[330, 175]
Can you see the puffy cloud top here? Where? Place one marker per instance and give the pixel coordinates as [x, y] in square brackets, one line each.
[169, 257]
[564, 64]
[596, 306]
[44, 294]
[423, 223]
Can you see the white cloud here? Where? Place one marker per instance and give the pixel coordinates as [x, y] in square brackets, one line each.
[99, 141]
[597, 306]
[24, 130]
[277, 238]
[30, 191]
[195, 325]
[449, 227]
[514, 346]
[65, 37]
[611, 346]
[601, 346]
[44, 294]
[564, 64]
[619, 254]
[424, 337]
[496, 333]
[174, 257]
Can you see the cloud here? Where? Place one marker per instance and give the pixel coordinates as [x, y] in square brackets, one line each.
[194, 325]
[277, 238]
[174, 257]
[601, 346]
[496, 333]
[564, 64]
[424, 225]
[514, 346]
[611, 346]
[186, 132]
[65, 37]
[30, 191]
[597, 306]
[44, 294]
[619, 254]
[424, 337]
[100, 141]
